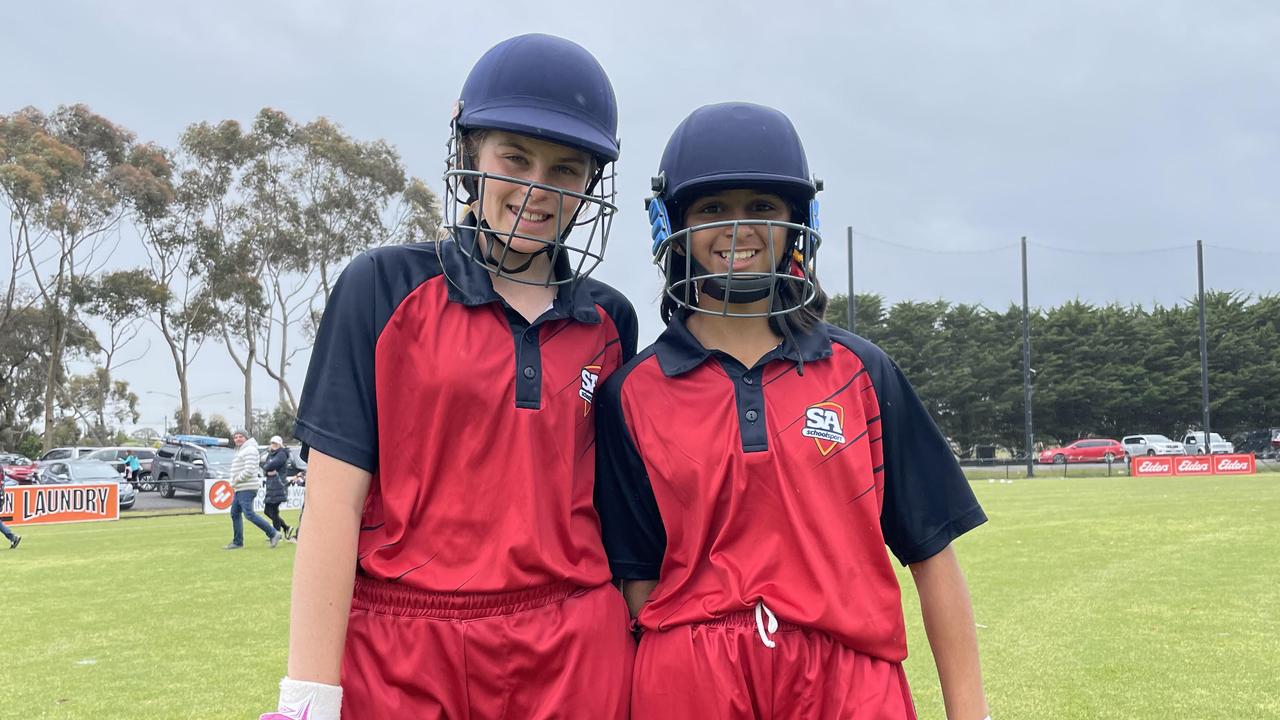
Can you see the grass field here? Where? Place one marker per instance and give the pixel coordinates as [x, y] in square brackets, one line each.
[1095, 598]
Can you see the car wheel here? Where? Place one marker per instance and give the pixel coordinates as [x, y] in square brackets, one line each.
[1151, 452]
[1109, 457]
[144, 482]
[1059, 459]
[165, 487]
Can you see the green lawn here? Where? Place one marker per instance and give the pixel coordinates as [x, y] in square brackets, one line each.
[1095, 598]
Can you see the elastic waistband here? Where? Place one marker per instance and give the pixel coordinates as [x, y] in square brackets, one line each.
[379, 596]
[744, 619]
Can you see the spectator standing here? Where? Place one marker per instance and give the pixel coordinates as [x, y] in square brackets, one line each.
[277, 470]
[132, 467]
[245, 480]
[13, 539]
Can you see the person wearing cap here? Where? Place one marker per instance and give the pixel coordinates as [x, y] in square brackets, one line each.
[246, 479]
[276, 468]
[453, 566]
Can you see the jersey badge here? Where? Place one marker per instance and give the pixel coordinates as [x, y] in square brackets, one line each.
[824, 423]
[587, 391]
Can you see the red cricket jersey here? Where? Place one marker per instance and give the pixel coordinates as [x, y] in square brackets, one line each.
[732, 485]
[476, 425]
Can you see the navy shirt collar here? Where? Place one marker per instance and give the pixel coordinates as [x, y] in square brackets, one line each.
[679, 351]
[472, 285]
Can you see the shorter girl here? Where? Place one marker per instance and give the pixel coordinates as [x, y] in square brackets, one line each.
[754, 462]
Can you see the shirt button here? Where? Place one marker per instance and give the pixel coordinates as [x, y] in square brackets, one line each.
[748, 380]
[529, 372]
[752, 415]
[530, 337]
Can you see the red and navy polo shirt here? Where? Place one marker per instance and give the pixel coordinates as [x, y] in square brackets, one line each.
[732, 485]
[477, 426]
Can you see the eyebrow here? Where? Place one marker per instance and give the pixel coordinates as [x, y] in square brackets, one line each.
[576, 159]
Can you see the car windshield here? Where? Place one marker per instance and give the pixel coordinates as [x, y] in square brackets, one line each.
[1215, 437]
[220, 457]
[1159, 438]
[94, 471]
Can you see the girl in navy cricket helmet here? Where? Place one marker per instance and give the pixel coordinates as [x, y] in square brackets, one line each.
[754, 462]
[453, 565]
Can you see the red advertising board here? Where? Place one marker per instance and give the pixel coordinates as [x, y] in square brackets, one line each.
[1234, 464]
[1192, 465]
[42, 504]
[1143, 466]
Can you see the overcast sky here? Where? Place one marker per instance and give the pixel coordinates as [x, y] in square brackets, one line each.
[1112, 134]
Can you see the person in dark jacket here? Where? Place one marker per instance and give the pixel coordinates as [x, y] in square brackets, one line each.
[276, 468]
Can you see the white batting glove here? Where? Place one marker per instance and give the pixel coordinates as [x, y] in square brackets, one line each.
[305, 700]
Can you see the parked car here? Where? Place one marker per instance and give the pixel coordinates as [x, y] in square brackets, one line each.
[18, 468]
[115, 457]
[1194, 443]
[1263, 442]
[64, 453]
[184, 465]
[80, 472]
[1086, 450]
[1136, 445]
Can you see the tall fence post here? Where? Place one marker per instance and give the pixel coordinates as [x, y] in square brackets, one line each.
[1204, 351]
[851, 308]
[1026, 362]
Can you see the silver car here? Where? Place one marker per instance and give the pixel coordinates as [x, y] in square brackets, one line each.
[1138, 445]
[85, 472]
[1194, 443]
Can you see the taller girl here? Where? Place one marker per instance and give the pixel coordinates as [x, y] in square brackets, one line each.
[755, 461]
[452, 565]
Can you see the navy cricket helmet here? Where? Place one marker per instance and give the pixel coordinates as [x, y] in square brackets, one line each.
[551, 89]
[736, 146]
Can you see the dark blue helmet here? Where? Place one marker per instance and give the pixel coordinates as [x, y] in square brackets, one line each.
[551, 89]
[545, 87]
[731, 146]
[735, 145]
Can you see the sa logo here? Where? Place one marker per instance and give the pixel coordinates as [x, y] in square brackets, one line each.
[824, 423]
[587, 391]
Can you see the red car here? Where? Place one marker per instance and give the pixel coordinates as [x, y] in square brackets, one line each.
[19, 468]
[1087, 450]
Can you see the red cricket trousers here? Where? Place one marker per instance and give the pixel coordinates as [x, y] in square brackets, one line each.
[557, 651]
[722, 670]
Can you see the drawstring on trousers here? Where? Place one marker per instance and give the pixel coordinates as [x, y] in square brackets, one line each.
[761, 611]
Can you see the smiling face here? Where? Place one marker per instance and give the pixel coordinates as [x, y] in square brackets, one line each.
[534, 212]
[757, 249]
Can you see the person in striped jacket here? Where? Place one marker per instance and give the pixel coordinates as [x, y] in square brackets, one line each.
[246, 479]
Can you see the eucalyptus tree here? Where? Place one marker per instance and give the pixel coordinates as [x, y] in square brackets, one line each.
[63, 176]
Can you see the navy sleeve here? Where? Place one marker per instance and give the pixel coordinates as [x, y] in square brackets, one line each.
[634, 537]
[927, 499]
[337, 413]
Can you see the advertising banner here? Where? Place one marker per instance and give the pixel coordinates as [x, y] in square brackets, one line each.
[1154, 465]
[218, 495]
[47, 504]
[1193, 465]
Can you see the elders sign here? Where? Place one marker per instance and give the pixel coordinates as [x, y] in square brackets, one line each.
[1194, 465]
